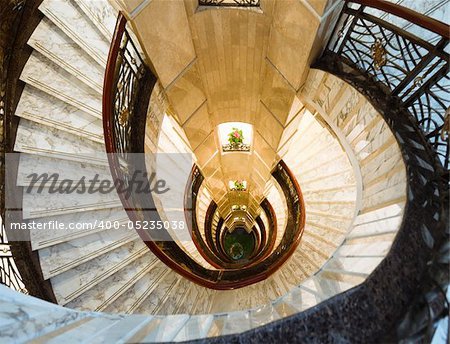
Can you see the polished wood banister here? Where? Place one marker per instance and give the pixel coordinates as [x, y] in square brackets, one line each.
[408, 14]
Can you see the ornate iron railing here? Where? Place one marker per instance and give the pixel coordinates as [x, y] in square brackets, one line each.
[192, 188]
[11, 14]
[410, 60]
[236, 147]
[9, 274]
[404, 72]
[230, 3]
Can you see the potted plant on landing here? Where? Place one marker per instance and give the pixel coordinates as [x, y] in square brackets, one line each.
[235, 138]
[236, 141]
[239, 185]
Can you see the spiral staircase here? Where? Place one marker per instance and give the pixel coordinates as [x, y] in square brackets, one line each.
[344, 163]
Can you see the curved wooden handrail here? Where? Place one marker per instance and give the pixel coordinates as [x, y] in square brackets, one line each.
[190, 195]
[208, 225]
[408, 14]
[262, 232]
[219, 231]
[257, 237]
[108, 96]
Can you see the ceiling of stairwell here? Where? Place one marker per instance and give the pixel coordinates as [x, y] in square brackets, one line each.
[222, 65]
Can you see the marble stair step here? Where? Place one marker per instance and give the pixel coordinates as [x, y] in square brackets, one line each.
[160, 329]
[299, 165]
[225, 323]
[308, 259]
[357, 266]
[65, 256]
[42, 204]
[329, 233]
[317, 227]
[380, 227]
[169, 305]
[131, 300]
[186, 302]
[102, 14]
[389, 195]
[196, 327]
[334, 223]
[75, 226]
[387, 212]
[37, 139]
[283, 308]
[342, 177]
[344, 208]
[301, 299]
[380, 164]
[103, 294]
[235, 322]
[153, 302]
[311, 285]
[345, 276]
[292, 274]
[338, 193]
[324, 149]
[54, 44]
[330, 285]
[29, 321]
[65, 169]
[203, 304]
[74, 23]
[77, 280]
[325, 246]
[328, 167]
[50, 78]
[81, 331]
[38, 106]
[377, 246]
[308, 133]
[121, 331]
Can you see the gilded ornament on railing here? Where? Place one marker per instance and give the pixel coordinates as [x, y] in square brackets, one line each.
[418, 81]
[378, 54]
[123, 117]
[446, 127]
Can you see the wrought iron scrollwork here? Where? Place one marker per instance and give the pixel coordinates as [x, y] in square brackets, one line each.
[241, 147]
[413, 68]
[230, 3]
[9, 274]
[11, 15]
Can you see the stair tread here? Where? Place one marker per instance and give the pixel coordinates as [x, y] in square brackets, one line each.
[66, 169]
[38, 106]
[70, 19]
[50, 41]
[40, 203]
[47, 76]
[73, 282]
[41, 238]
[35, 138]
[159, 295]
[61, 257]
[103, 294]
[139, 291]
[102, 14]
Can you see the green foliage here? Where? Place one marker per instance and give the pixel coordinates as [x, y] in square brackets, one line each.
[235, 137]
